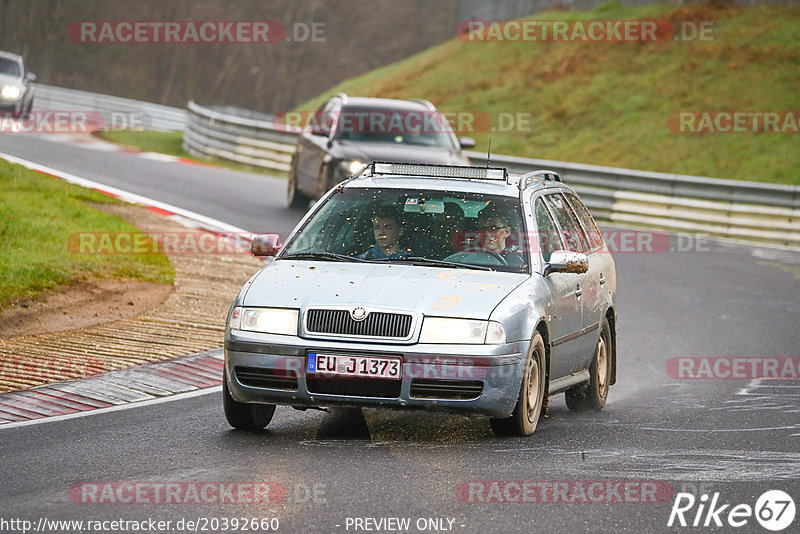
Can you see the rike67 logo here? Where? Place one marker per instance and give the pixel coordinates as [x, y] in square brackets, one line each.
[774, 510]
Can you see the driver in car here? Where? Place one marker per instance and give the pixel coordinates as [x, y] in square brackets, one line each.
[494, 230]
[388, 231]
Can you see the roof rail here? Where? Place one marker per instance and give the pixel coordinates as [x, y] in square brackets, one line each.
[341, 95]
[545, 176]
[424, 102]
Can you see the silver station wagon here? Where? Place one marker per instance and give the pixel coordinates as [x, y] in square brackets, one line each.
[462, 289]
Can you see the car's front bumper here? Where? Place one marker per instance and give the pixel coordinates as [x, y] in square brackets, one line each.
[10, 106]
[478, 379]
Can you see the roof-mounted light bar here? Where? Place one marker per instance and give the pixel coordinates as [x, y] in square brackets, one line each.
[439, 171]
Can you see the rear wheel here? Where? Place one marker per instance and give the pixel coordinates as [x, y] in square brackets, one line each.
[294, 198]
[592, 395]
[245, 416]
[524, 418]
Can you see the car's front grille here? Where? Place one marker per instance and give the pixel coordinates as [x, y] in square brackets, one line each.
[258, 377]
[425, 388]
[377, 324]
[355, 387]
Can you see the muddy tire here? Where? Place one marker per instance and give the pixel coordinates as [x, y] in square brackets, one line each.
[530, 403]
[592, 395]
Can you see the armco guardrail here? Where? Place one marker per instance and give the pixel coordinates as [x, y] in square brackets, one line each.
[116, 112]
[237, 135]
[728, 208]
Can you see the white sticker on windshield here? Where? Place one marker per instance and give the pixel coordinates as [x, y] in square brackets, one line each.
[411, 201]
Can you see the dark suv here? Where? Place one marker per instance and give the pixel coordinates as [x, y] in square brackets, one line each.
[16, 89]
[346, 133]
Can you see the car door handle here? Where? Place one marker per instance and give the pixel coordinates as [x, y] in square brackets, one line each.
[578, 291]
[602, 279]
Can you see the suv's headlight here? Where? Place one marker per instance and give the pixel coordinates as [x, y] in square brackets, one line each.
[266, 320]
[11, 92]
[461, 331]
[351, 167]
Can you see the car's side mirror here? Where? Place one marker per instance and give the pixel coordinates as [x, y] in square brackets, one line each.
[266, 245]
[565, 261]
[466, 142]
[31, 77]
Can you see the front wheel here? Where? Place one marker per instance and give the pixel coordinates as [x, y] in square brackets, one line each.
[525, 416]
[245, 416]
[592, 395]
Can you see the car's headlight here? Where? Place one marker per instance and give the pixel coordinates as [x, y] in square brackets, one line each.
[10, 91]
[352, 167]
[266, 320]
[461, 331]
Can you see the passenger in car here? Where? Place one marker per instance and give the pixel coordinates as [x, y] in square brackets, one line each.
[494, 231]
[389, 233]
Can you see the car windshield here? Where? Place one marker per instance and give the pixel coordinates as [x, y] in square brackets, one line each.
[9, 67]
[417, 127]
[417, 227]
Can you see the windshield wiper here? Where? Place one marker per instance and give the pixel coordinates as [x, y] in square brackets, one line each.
[321, 256]
[419, 260]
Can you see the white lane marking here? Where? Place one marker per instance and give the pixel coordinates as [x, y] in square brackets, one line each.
[783, 256]
[155, 156]
[208, 222]
[790, 427]
[127, 406]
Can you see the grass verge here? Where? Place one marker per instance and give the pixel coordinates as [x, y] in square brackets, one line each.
[38, 214]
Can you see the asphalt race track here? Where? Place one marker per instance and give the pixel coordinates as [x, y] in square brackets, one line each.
[737, 437]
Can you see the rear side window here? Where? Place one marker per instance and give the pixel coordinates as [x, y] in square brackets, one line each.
[571, 230]
[549, 240]
[595, 238]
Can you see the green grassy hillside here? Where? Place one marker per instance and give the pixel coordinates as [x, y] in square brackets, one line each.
[608, 103]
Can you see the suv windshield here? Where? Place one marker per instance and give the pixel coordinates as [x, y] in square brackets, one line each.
[409, 127]
[9, 67]
[419, 227]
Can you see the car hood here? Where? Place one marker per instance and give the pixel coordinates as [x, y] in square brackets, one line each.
[429, 290]
[369, 152]
[5, 79]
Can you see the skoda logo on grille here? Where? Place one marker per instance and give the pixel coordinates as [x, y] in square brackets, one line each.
[359, 313]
